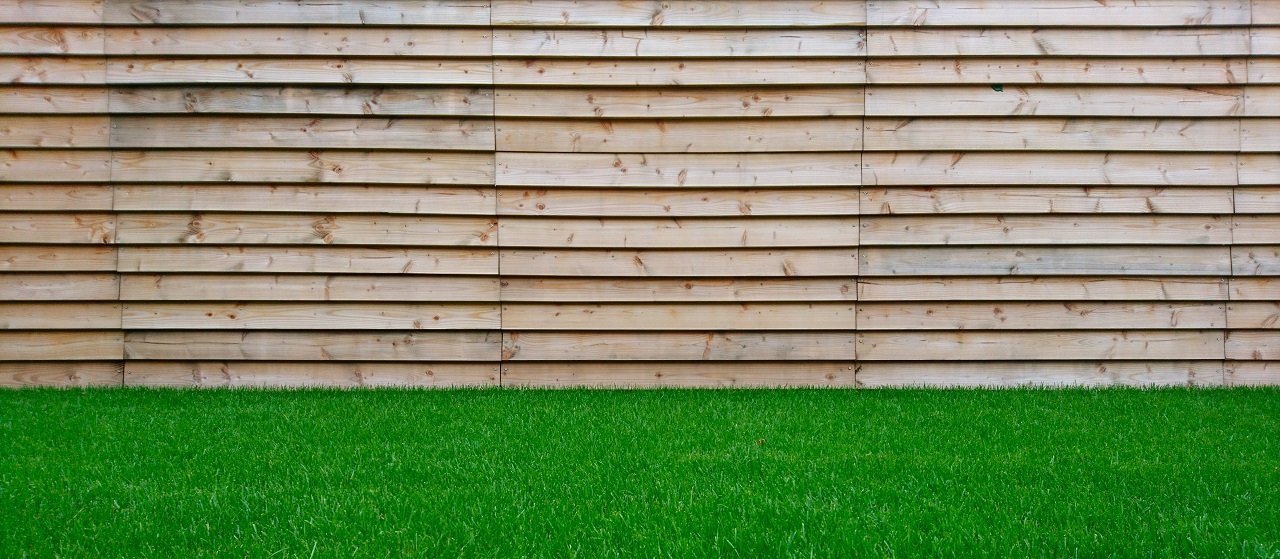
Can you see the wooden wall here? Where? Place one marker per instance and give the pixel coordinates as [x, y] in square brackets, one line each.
[640, 193]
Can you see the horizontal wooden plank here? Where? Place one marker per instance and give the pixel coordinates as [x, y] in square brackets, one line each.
[698, 42]
[296, 375]
[205, 345]
[683, 375]
[444, 200]
[680, 203]
[676, 346]
[295, 12]
[81, 374]
[301, 132]
[308, 260]
[255, 287]
[983, 168]
[1253, 373]
[62, 40]
[341, 71]
[586, 232]
[1041, 230]
[1255, 289]
[1249, 200]
[677, 13]
[1044, 200]
[59, 287]
[1256, 314]
[55, 197]
[1264, 70]
[59, 316]
[1055, 41]
[1052, 134]
[62, 100]
[681, 263]
[301, 166]
[54, 165]
[311, 316]
[701, 290]
[301, 99]
[1008, 315]
[1259, 168]
[298, 41]
[1040, 346]
[1044, 13]
[1255, 260]
[1042, 289]
[1262, 100]
[1259, 134]
[1254, 345]
[57, 228]
[85, 345]
[687, 316]
[678, 170]
[667, 102]
[1055, 100]
[53, 70]
[62, 12]
[248, 228]
[1264, 41]
[53, 258]
[1063, 261]
[680, 136]
[667, 72]
[1265, 12]
[1256, 229]
[1074, 71]
[1040, 373]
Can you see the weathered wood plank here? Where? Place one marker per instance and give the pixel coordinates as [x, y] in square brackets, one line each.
[1060, 134]
[1043, 13]
[1260, 135]
[298, 41]
[254, 287]
[1005, 288]
[62, 40]
[1065, 261]
[1066, 168]
[338, 71]
[1056, 41]
[204, 345]
[1265, 12]
[52, 70]
[87, 345]
[308, 260]
[666, 72]
[81, 374]
[1057, 100]
[441, 200]
[719, 232]
[700, 290]
[67, 258]
[60, 100]
[62, 12]
[1255, 289]
[1253, 373]
[1262, 100]
[1040, 346]
[1007, 315]
[1040, 373]
[1264, 41]
[667, 102]
[1251, 200]
[57, 228]
[311, 316]
[1256, 345]
[1045, 200]
[296, 375]
[59, 287]
[1256, 229]
[1255, 314]
[1043, 230]
[680, 136]
[302, 99]
[54, 165]
[301, 132]
[59, 316]
[678, 170]
[335, 166]
[676, 346]
[55, 197]
[1255, 260]
[686, 316]
[684, 375]
[294, 12]
[1074, 71]
[681, 263]
[1264, 70]
[681, 203]
[295, 229]
[698, 42]
[1259, 168]
[677, 13]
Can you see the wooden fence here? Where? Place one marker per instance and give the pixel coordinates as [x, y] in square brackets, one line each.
[640, 193]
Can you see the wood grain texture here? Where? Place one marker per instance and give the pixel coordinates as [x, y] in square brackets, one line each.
[57, 258]
[292, 12]
[311, 316]
[677, 346]
[1035, 261]
[60, 316]
[305, 198]
[63, 12]
[1059, 168]
[83, 345]
[817, 374]
[1076, 13]
[1253, 373]
[62, 40]
[677, 102]
[681, 263]
[73, 374]
[1253, 314]
[202, 345]
[1258, 200]
[298, 70]
[283, 374]
[1060, 100]
[1258, 168]
[683, 43]
[1047, 42]
[1040, 373]
[308, 260]
[700, 290]
[678, 13]
[1008, 315]
[301, 229]
[1063, 134]
[1255, 289]
[1049, 200]
[1073, 71]
[59, 100]
[407, 100]
[251, 287]
[1256, 229]
[57, 228]
[54, 165]
[1147, 345]
[1262, 100]
[301, 166]
[1048, 230]
[666, 72]
[680, 136]
[302, 132]
[688, 316]
[56, 197]
[59, 287]
[297, 41]
[51, 70]
[1255, 260]
[678, 170]
[1011, 288]
[720, 232]
[1253, 345]
[689, 202]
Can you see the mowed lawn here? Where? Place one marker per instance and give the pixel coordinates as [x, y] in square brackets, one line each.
[750, 473]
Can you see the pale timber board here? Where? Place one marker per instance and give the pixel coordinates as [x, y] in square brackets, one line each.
[1264, 70]
[59, 316]
[684, 316]
[1002, 289]
[1055, 41]
[1259, 169]
[52, 70]
[1264, 41]
[1063, 168]
[298, 41]
[684, 43]
[1266, 12]
[1262, 100]
[1040, 373]
[61, 12]
[668, 102]
[255, 287]
[1255, 345]
[283, 374]
[57, 228]
[1260, 135]
[388, 199]
[1043, 230]
[1253, 314]
[64, 375]
[1040, 346]
[295, 229]
[1251, 200]
[310, 316]
[59, 287]
[1044, 200]
[1255, 260]
[339, 71]
[60, 100]
[1036, 261]
[1253, 373]
[666, 72]
[299, 12]
[1062, 134]
[301, 99]
[1074, 71]
[54, 165]
[204, 345]
[1255, 289]
[194, 132]
[1008, 315]
[676, 346]
[680, 263]
[1065, 13]
[327, 166]
[56, 197]
[25, 41]
[678, 13]
[54, 258]
[793, 201]
[1057, 100]
[718, 232]
[1257, 229]
[696, 290]
[308, 260]
[61, 346]
[678, 170]
[684, 375]
[680, 136]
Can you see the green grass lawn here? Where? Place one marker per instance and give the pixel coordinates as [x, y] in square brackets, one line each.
[751, 473]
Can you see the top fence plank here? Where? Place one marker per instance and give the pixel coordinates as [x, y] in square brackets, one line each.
[669, 13]
[297, 12]
[1138, 13]
[64, 12]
